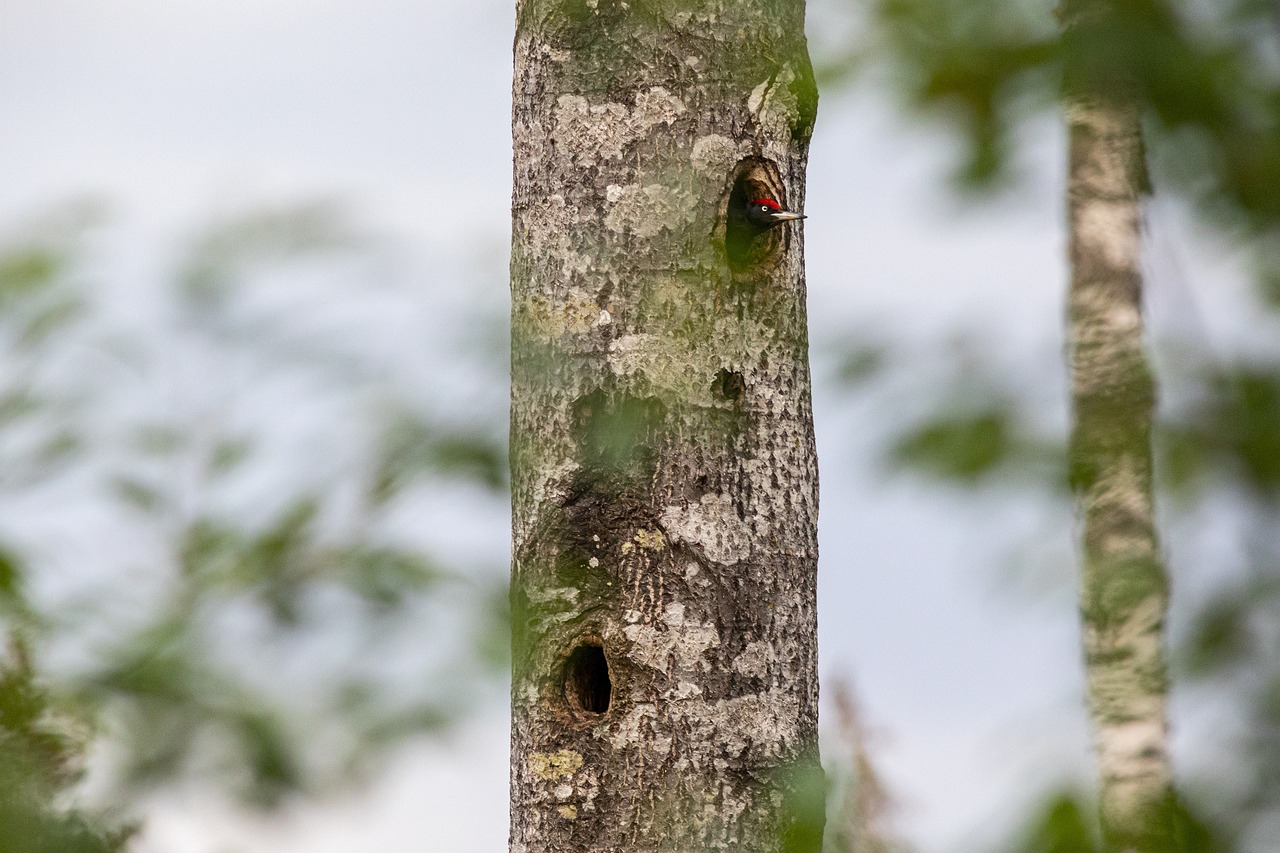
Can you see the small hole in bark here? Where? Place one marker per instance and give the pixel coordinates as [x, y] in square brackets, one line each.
[586, 679]
[729, 384]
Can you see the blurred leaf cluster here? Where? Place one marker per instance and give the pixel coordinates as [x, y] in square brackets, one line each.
[1216, 452]
[217, 489]
[1206, 75]
[1207, 79]
[42, 746]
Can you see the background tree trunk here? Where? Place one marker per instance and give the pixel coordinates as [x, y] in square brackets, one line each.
[1124, 592]
[664, 482]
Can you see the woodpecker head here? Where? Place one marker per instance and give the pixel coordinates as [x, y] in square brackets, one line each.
[765, 213]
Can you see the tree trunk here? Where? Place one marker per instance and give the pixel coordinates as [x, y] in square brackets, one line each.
[664, 482]
[1124, 592]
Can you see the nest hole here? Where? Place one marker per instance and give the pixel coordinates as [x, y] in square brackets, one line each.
[729, 385]
[751, 254]
[587, 686]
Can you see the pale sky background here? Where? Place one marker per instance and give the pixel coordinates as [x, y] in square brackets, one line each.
[964, 656]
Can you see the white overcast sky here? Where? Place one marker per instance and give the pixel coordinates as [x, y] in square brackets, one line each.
[967, 666]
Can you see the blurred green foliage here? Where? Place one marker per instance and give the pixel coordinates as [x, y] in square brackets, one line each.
[42, 749]
[1065, 824]
[1204, 74]
[959, 446]
[1231, 429]
[805, 800]
[282, 632]
[267, 573]
[1207, 80]
[412, 449]
[1216, 446]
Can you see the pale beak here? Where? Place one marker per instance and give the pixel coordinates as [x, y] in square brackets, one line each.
[785, 216]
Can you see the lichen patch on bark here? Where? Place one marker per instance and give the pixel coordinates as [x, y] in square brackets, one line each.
[646, 211]
[715, 154]
[554, 765]
[589, 132]
[679, 648]
[712, 525]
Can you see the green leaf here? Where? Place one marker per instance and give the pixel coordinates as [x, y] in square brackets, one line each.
[138, 494]
[961, 447]
[1064, 826]
[27, 270]
[471, 456]
[211, 553]
[279, 562]
[1220, 636]
[1250, 426]
[804, 790]
[10, 578]
[60, 446]
[271, 757]
[411, 448]
[385, 576]
[19, 403]
[229, 454]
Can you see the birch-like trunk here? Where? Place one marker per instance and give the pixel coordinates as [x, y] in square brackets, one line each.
[664, 483]
[1124, 591]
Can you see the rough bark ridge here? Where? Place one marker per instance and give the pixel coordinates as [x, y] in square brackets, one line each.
[1124, 586]
[664, 482]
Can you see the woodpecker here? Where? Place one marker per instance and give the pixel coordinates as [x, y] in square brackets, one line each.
[749, 221]
[762, 214]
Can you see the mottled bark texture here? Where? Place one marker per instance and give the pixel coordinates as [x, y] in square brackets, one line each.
[1124, 585]
[664, 483]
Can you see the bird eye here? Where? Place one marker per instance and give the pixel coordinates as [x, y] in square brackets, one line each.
[765, 208]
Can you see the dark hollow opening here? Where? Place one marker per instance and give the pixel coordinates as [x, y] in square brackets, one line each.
[586, 679]
[729, 384]
[748, 248]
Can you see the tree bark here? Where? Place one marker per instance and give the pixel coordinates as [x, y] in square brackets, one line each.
[664, 481]
[1124, 592]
